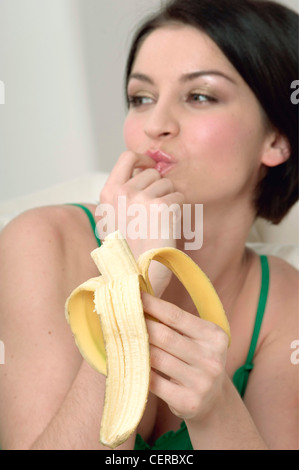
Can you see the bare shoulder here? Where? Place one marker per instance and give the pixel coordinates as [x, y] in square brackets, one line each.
[45, 254]
[272, 392]
[283, 294]
[280, 322]
[62, 231]
[281, 269]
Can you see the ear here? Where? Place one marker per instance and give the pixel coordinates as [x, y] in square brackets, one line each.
[277, 149]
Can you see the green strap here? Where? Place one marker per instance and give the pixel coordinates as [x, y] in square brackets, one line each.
[241, 376]
[261, 307]
[91, 220]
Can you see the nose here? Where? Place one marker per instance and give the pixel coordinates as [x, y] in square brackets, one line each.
[161, 122]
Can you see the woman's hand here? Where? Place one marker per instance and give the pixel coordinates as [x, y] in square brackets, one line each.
[188, 357]
[138, 193]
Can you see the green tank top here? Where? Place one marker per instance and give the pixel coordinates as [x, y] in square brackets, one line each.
[180, 440]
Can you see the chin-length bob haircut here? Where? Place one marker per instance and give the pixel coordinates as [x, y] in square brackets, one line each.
[260, 39]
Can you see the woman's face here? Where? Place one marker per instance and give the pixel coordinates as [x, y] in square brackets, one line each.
[193, 113]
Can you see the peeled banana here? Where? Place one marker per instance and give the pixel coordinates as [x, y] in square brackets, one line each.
[107, 320]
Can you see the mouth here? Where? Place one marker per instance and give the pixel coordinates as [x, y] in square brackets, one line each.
[164, 162]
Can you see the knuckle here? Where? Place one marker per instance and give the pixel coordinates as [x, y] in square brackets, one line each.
[153, 174]
[204, 386]
[123, 191]
[166, 207]
[180, 198]
[215, 369]
[189, 404]
[141, 198]
[194, 403]
[160, 203]
[176, 212]
[175, 316]
[167, 336]
[221, 339]
[156, 357]
[167, 183]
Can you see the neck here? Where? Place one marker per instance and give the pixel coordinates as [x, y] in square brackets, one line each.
[223, 256]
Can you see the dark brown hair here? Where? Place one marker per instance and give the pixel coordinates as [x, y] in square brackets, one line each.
[260, 39]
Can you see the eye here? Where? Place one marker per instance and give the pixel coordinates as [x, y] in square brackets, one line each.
[136, 101]
[200, 98]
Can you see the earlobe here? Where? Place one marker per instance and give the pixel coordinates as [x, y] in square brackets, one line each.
[278, 150]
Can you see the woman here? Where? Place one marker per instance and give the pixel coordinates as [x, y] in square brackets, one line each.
[210, 121]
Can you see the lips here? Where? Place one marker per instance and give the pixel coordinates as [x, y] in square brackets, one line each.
[164, 162]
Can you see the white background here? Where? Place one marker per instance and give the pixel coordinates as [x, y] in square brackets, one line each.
[62, 63]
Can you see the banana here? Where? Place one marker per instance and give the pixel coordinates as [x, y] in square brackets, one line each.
[107, 320]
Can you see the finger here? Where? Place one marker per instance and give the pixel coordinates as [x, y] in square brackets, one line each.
[174, 198]
[136, 171]
[159, 188]
[206, 340]
[143, 179]
[124, 167]
[173, 316]
[171, 366]
[170, 341]
[199, 354]
[192, 326]
[162, 386]
[171, 393]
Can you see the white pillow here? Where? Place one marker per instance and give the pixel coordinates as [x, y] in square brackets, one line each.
[83, 189]
[285, 233]
[264, 238]
[289, 253]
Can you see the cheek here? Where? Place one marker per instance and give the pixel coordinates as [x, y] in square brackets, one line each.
[211, 143]
[131, 132]
[224, 140]
[215, 132]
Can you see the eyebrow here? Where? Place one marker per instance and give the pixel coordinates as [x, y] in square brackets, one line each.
[187, 77]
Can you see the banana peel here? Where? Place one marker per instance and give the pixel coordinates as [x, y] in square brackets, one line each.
[107, 320]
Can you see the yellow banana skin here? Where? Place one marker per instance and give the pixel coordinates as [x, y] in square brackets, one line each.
[198, 285]
[85, 324]
[107, 320]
